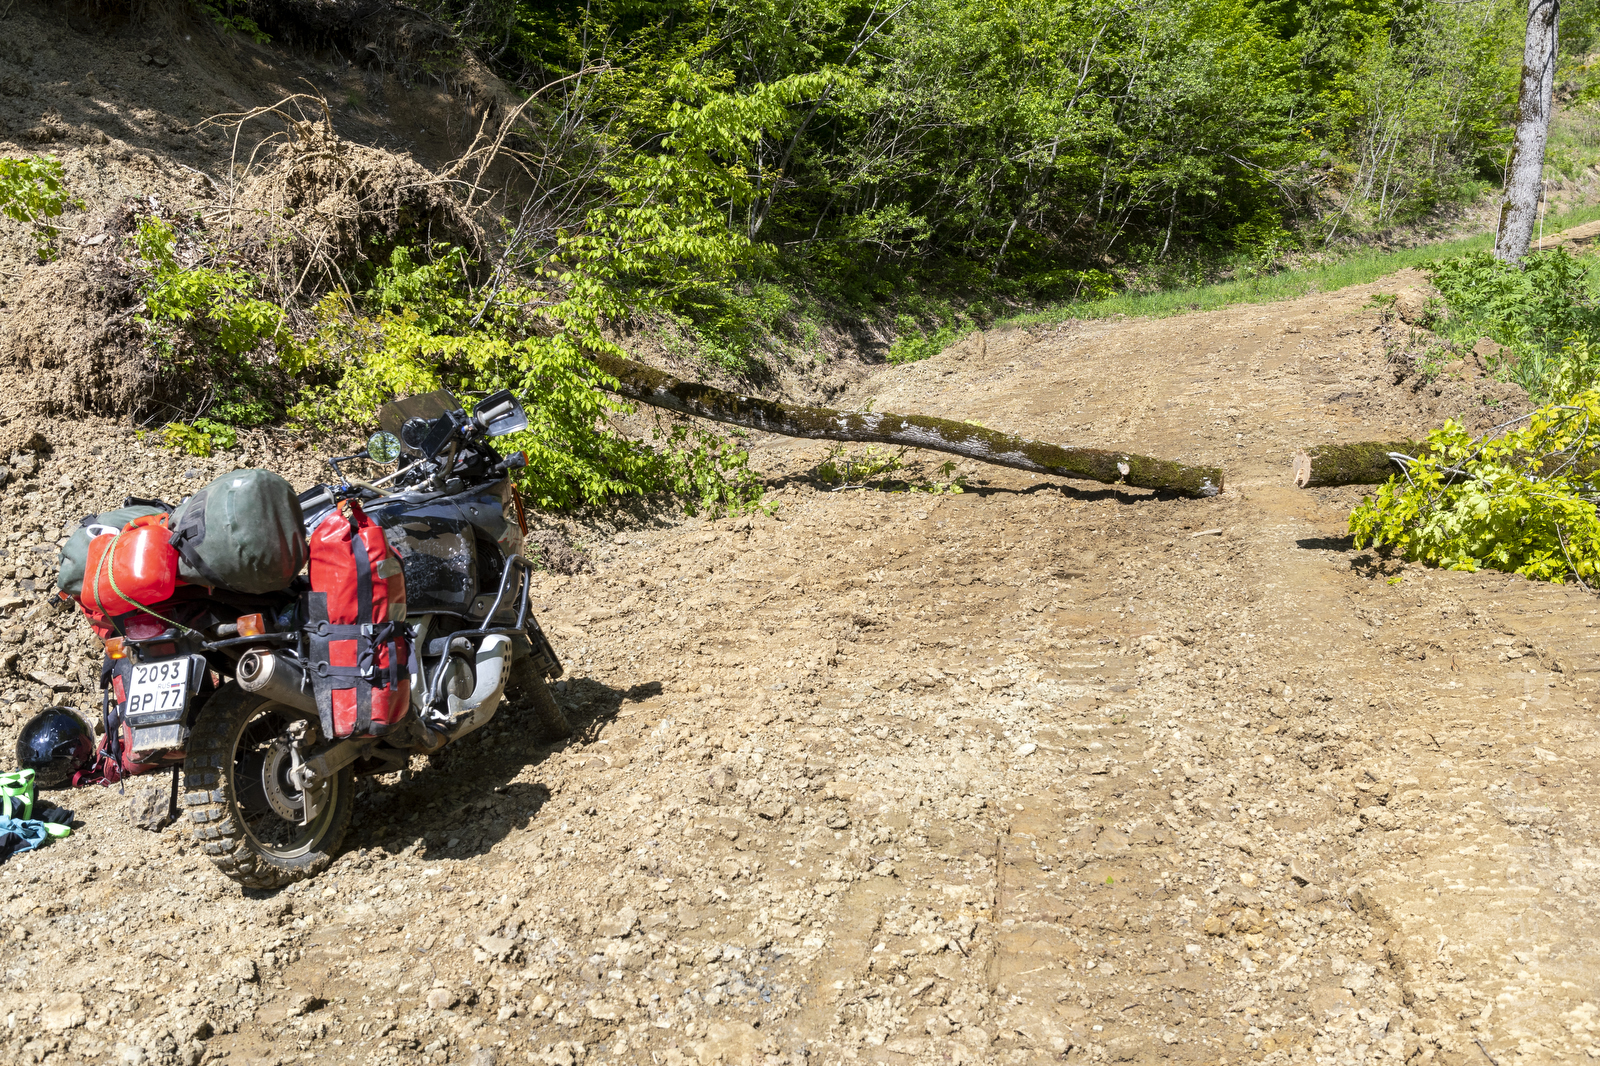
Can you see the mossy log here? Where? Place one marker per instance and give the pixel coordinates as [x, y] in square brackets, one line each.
[1366, 463]
[650, 386]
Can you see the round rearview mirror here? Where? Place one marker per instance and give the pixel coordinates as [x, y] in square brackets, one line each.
[383, 447]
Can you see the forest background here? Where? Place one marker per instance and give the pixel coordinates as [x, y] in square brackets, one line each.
[998, 152]
[737, 177]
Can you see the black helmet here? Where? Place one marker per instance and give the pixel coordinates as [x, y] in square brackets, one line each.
[55, 744]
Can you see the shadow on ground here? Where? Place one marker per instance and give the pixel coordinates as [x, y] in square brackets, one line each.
[428, 806]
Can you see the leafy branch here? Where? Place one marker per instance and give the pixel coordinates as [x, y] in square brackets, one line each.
[1523, 501]
[33, 191]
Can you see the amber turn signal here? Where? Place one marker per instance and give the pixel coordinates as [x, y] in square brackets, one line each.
[115, 649]
[251, 625]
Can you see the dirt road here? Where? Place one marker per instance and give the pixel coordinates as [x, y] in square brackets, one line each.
[1039, 772]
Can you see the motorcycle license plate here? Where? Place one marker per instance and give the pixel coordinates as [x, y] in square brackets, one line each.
[159, 687]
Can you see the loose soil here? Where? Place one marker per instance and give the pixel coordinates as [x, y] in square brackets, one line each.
[1039, 770]
[1042, 771]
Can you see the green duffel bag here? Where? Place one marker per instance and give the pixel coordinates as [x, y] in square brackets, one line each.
[75, 552]
[243, 532]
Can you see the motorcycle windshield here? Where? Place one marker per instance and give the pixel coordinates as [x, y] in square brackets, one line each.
[429, 405]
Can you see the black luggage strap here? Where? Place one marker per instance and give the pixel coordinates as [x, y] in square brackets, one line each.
[144, 501]
[190, 534]
[112, 715]
[364, 649]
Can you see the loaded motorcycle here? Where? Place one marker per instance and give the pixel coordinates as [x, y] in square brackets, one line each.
[404, 636]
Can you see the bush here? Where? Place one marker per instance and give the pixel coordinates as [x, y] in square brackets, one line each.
[913, 344]
[209, 320]
[33, 191]
[727, 329]
[1545, 309]
[1523, 502]
[222, 14]
[214, 308]
[419, 328]
[201, 438]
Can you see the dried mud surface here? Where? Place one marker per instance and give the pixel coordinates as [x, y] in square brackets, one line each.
[1039, 772]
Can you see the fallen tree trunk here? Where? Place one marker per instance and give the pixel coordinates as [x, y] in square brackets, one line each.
[647, 385]
[1366, 463]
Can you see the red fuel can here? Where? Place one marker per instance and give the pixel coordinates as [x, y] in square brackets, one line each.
[132, 569]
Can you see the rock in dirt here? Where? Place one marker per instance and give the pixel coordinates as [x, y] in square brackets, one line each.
[63, 1012]
[52, 681]
[497, 947]
[618, 925]
[150, 808]
[302, 1004]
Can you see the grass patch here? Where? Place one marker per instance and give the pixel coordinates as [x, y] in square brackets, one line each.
[1357, 268]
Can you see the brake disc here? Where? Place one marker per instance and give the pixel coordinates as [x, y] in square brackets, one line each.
[287, 802]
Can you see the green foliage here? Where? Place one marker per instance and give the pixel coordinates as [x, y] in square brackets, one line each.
[1523, 502]
[705, 471]
[1545, 309]
[914, 341]
[1086, 286]
[33, 190]
[1013, 150]
[728, 328]
[210, 319]
[201, 438]
[213, 308]
[844, 468]
[1413, 97]
[1003, 145]
[841, 467]
[221, 12]
[913, 346]
[414, 332]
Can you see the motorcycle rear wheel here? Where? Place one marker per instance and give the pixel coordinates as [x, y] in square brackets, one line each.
[242, 809]
[526, 683]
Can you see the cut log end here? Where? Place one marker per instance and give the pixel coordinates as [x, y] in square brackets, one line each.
[1302, 468]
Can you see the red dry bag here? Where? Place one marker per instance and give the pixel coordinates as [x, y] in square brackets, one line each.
[356, 610]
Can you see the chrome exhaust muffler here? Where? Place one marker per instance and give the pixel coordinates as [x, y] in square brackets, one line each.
[276, 677]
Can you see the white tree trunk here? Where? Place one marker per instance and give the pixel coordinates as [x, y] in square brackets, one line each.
[1520, 208]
